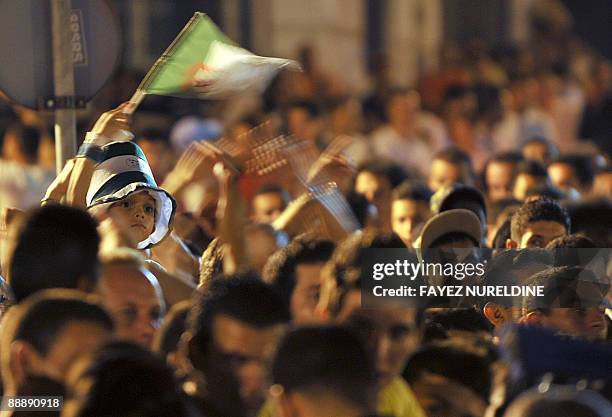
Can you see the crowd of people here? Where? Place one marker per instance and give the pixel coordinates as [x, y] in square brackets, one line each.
[210, 263]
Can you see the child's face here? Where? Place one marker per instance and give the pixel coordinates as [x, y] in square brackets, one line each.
[135, 214]
[407, 218]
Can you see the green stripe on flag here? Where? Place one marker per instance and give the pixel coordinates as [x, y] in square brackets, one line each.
[170, 75]
[203, 62]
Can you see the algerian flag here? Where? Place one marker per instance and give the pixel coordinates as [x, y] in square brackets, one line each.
[203, 62]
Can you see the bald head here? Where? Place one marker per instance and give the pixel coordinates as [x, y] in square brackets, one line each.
[131, 294]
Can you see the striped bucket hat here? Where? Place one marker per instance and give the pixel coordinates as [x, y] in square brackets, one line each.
[124, 170]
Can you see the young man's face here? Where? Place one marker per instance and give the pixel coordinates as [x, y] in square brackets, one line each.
[444, 173]
[407, 218]
[375, 188]
[305, 295]
[391, 335]
[538, 234]
[260, 245]
[135, 214]
[499, 180]
[602, 185]
[562, 176]
[131, 299]
[267, 207]
[236, 366]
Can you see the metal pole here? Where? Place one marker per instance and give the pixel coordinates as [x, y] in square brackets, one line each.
[63, 83]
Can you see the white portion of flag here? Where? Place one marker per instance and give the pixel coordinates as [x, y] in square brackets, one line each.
[230, 69]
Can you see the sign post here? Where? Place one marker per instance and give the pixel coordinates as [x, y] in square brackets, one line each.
[63, 83]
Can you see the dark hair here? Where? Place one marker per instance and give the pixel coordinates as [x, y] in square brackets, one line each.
[583, 166]
[511, 157]
[346, 268]
[547, 191]
[468, 367]
[310, 107]
[330, 358]
[334, 103]
[502, 235]
[542, 209]
[360, 206]
[455, 156]
[155, 135]
[138, 381]
[572, 250]
[495, 208]
[45, 315]
[411, 190]
[244, 297]
[466, 319]
[564, 287]
[508, 268]
[392, 172]
[273, 189]
[169, 335]
[28, 137]
[281, 267]
[593, 219]
[551, 147]
[57, 247]
[532, 168]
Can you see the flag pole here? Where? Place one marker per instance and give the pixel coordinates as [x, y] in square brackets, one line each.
[134, 101]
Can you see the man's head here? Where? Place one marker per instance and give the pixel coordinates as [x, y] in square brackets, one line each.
[390, 334]
[529, 174]
[409, 210]
[451, 166]
[571, 303]
[138, 381]
[602, 183]
[296, 272]
[302, 119]
[232, 333]
[133, 297]
[268, 203]
[46, 332]
[460, 196]
[538, 222]
[592, 219]
[52, 247]
[499, 175]
[20, 144]
[451, 229]
[452, 237]
[375, 181]
[497, 213]
[261, 242]
[450, 379]
[563, 174]
[510, 267]
[402, 106]
[539, 149]
[319, 371]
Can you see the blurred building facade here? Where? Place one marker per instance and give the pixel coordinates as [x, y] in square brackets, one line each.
[347, 35]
